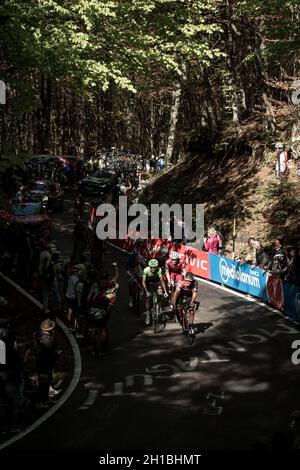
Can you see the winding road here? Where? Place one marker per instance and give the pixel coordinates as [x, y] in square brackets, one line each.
[234, 384]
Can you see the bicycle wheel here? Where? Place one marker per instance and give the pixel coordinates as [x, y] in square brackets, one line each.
[160, 318]
[137, 301]
[190, 335]
[184, 323]
[155, 317]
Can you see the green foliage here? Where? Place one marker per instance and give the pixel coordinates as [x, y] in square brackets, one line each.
[278, 21]
[94, 43]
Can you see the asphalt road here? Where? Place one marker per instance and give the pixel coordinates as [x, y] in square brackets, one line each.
[153, 391]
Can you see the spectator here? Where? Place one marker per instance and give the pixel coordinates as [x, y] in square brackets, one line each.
[280, 160]
[161, 163]
[152, 163]
[71, 292]
[291, 265]
[14, 390]
[46, 355]
[278, 262]
[57, 286]
[125, 188]
[147, 165]
[212, 242]
[261, 255]
[46, 275]
[251, 253]
[20, 194]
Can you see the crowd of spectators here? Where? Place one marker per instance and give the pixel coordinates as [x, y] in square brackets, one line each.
[285, 262]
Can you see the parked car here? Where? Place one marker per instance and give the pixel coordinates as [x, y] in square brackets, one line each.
[96, 185]
[30, 215]
[48, 192]
[43, 159]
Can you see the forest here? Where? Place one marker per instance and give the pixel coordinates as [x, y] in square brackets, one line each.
[219, 79]
[151, 75]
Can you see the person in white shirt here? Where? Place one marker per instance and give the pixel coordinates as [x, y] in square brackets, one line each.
[281, 160]
[20, 195]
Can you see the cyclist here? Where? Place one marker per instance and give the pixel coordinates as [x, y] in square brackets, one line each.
[175, 270]
[134, 269]
[162, 255]
[152, 280]
[187, 288]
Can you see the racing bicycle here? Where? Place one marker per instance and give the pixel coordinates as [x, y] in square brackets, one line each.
[184, 311]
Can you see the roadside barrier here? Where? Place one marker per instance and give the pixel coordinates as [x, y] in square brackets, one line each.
[242, 277]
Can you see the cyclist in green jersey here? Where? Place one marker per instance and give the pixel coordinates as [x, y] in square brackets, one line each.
[152, 280]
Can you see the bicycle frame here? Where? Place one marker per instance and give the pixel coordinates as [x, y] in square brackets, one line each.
[159, 322]
[137, 294]
[184, 311]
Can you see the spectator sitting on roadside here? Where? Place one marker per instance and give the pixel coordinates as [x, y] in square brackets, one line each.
[261, 255]
[152, 163]
[161, 163]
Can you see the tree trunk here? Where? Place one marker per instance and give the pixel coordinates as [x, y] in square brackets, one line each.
[176, 95]
[82, 128]
[270, 121]
[45, 114]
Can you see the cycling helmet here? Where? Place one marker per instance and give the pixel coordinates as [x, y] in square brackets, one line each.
[153, 263]
[174, 256]
[279, 145]
[189, 277]
[164, 250]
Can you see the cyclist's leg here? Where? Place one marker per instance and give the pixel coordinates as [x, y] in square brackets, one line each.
[148, 304]
[131, 291]
[178, 310]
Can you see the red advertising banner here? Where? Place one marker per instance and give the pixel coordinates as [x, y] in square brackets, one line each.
[196, 261]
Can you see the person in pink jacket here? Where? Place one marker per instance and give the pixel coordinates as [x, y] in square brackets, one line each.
[212, 243]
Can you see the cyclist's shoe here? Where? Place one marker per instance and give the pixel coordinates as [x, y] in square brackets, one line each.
[147, 319]
[192, 331]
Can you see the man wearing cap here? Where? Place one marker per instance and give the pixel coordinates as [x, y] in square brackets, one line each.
[46, 357]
